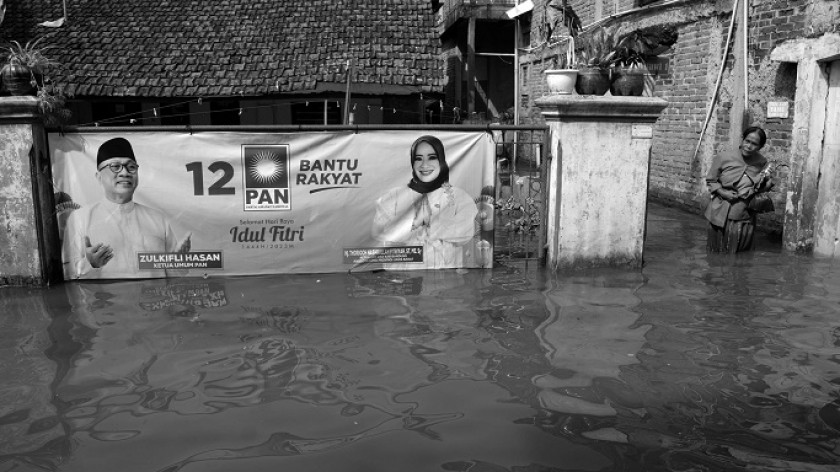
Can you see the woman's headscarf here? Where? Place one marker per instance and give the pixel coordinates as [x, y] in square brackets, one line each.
[425, 187]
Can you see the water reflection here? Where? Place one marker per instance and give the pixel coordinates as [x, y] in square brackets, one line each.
[590, 335]
[696, 363]
[29, 423]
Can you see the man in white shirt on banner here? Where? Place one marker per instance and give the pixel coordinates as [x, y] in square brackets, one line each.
[101, 241]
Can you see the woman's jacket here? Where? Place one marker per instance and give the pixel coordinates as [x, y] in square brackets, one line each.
[726, 172]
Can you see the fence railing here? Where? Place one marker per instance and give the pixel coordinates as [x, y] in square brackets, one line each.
[522, 163]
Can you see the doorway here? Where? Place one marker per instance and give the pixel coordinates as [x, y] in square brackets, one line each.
[827, 222]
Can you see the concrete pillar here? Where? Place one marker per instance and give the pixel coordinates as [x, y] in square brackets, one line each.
[813, 57]
[30, 253]
[598, 179]
[827, 222]
[471, 81]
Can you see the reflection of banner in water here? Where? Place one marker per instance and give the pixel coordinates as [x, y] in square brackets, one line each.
[285, 318]
[204, 295]
[276, 202]
[391, 284]
[368, 360]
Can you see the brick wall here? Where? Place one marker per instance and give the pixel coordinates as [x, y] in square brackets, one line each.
[585, 9]
[688, 81]
[624, 5]
[676, 178]
[771, 23]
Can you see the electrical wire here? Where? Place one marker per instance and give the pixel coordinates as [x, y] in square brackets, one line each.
[443, 114]
[130, 115]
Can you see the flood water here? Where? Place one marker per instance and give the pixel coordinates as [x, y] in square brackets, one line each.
[695, 363]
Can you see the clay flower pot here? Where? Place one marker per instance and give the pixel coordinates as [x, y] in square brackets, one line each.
[18, 79]
[628, 82]
[24, 65]
[592, 81]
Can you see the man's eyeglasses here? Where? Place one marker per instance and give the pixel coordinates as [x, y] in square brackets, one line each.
[116, 168]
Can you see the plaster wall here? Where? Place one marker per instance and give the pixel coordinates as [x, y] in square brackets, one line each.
[813, 137]
[601, 207]
[599, 179]
[30, 252]
[827, 224]
[19, 252]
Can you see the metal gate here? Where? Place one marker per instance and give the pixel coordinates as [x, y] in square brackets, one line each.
[522, 163]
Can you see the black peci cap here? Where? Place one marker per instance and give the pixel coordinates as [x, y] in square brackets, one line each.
[117, 147]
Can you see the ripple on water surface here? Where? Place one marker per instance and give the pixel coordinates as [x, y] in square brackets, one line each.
[697, 363]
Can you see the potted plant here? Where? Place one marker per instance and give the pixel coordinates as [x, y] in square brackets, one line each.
[561, 28]
[595, 53]
[562, 77]
[629, 66]
[23, 73]
[24, 66]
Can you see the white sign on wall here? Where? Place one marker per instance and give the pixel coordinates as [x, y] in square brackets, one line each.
[641, 131]
[778, 109]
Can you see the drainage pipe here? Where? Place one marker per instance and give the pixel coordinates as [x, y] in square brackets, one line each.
[746, 35]
[516, 85]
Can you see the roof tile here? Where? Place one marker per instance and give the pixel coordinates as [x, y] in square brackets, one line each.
[173, 47]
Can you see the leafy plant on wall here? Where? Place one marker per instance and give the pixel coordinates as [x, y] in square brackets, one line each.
[24, 73]
[560, 25]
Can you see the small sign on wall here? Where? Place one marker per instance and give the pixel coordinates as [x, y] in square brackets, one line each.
[641, 131]
[657, 65]
[778, 109]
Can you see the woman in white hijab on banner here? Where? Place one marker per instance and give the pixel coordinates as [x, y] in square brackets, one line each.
[428, 212]
[102, 240]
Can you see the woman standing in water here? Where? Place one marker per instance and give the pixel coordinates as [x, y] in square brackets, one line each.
[427, 212]
[733, 180]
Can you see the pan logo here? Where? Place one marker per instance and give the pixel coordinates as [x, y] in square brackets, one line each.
[266, 177]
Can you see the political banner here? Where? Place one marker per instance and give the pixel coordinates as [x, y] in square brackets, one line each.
[151, 204]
